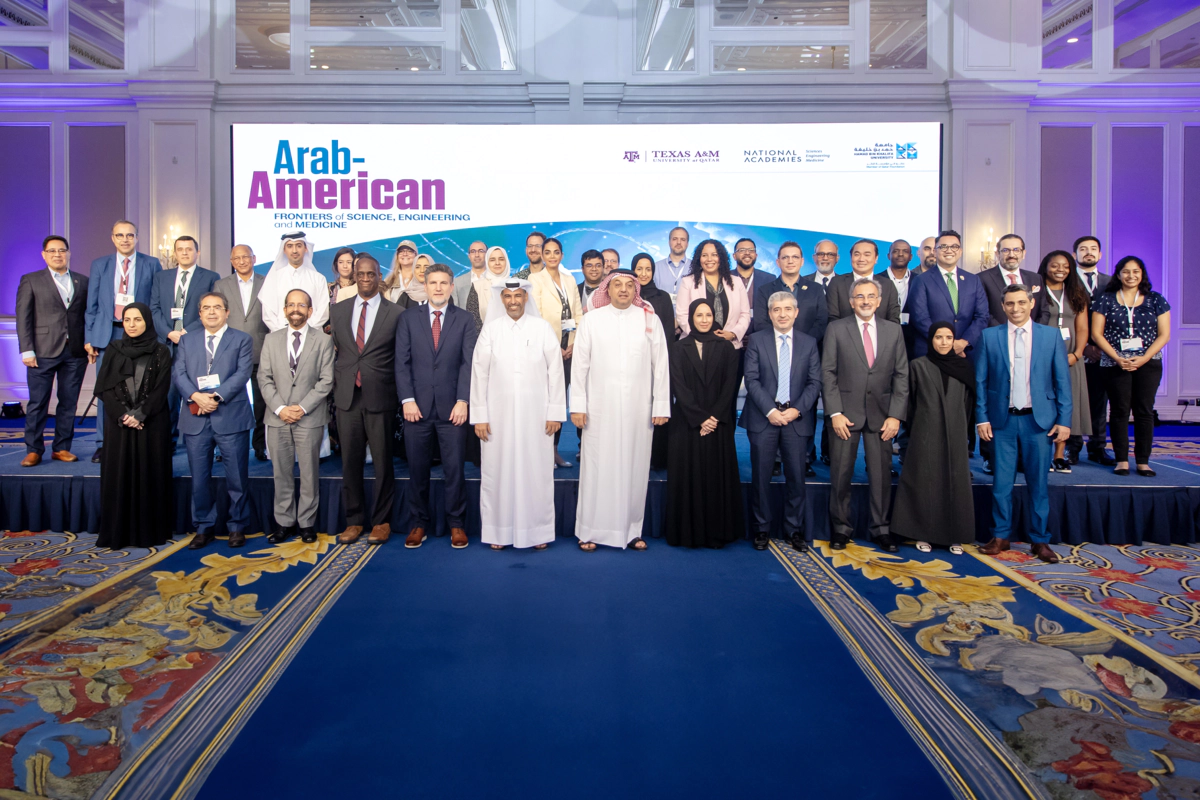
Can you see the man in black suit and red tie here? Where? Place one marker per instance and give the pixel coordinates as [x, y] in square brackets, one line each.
[50, 332]
[434, 345]
[364, 394]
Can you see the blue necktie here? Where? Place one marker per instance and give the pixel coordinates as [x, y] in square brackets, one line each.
[1020, 397]
[212, 337]
[784, 393]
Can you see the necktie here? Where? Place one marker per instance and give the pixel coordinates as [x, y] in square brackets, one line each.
[953, 287]
[783, 393]
[119, 312]
[295, 351]
[868, 345]
[1091, 276]
[212, 352]
[1012, 278]
[360, 339]
[1020, 396]
[824, 284]
[180, 293]
[437, 328]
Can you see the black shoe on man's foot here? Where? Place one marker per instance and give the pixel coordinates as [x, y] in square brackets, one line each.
[96, 455]
[799, 543]
[761, 540]
[1102, 458]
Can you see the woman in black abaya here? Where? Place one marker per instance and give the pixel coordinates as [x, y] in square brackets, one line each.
[933, 502]
[136, 483]
[704, 492]
[643, 267]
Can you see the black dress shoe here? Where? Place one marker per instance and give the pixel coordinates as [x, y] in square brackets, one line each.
[799, 543]
[825, 460]
[809, 472]
[777, 470]
[838, 542]
[1102, 458]
[237, 539]
[96, 455]
[218, 458]
[894, 473]
[761, 540]
[201, 540]
[1122, 471]
[1072, 458]
[261, 455]
[279, 535]
[885, 543]
[308, 535]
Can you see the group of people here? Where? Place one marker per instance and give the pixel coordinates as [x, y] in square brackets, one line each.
[478, 367]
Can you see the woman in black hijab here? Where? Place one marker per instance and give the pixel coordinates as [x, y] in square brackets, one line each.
[136, 482]
[704, 491]
[934, 503]
[643, 268]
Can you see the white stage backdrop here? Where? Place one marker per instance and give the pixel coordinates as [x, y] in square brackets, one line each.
[592, 186]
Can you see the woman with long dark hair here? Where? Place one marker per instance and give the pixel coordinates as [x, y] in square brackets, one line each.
[343, 276]
[711, 279]
[1067, 302]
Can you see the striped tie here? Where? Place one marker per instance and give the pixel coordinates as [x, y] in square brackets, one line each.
[783, 393]
[295, 354]
[180, 294]
[212, 352]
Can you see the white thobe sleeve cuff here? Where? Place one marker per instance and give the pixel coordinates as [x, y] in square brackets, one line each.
[478, 414]
[556, 412]
[660, 408]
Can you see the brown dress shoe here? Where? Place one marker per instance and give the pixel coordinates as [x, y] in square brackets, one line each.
[458, 538]
[380, 534]
[201, 540]
[994, 546]
[31, 460]
[415, 537]
[237, 539]
[64, 456]
[1044, 552]
[351, 534]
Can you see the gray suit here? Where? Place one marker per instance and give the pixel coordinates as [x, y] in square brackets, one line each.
[297, 441]
[867, 396]
[249, 321]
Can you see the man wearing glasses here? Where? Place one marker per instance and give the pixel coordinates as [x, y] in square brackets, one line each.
[745, 258]
[948, 293]
[1010, 251]
[826, 257]
[476, 252]
[245, 314]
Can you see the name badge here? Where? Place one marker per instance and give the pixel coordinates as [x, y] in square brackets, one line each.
[568, 325]
[209, 383]
[1066, 334]
[125, 299]
[1133, 343]
[903, 318]
[176, 313]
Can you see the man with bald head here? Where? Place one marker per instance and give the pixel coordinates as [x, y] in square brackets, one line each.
[927, 256]
[245, 314]
[476, 253]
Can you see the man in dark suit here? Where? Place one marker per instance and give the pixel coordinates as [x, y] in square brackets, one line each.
[1024, 404]
[364, 394]
[864, 255]
[211, 371]
[783, 376]
[930, 299]
[865, 382]
[115, 282]
[1087, 258]
[50, 324]
[1010, 251]
[745, 258]
[592, 263]
[245, 315]
[175, 306]
[434, 345]
[900, 255]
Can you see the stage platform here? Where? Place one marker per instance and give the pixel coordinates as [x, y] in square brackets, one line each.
[1089, 505]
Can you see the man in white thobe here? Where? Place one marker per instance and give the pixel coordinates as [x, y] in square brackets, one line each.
[620, 389]
[518, 403]
[293, 269]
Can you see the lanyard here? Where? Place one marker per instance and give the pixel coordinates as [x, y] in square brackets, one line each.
[1058, 302]
[1129, 309]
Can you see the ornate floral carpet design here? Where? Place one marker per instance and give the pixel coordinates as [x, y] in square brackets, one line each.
[41, 572]
[1013, 695]
[124, 695]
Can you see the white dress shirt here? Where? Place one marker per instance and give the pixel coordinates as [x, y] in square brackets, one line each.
[1011, 277]
[132, 282]
[291, 337]
[1084, 276]
[780, 338]
[372, 311]
[431, 309]
[823, 280]
[246, 290]
[901, 284]
[873, 328]
[216, 345]
[1012, 340]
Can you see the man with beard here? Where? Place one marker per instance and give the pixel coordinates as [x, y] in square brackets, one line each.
[476, 252]
[612, 260]
[745, 258]
[1087, 257]
[927, 255]
[669, 271]
[1010, 252]
[533, 251]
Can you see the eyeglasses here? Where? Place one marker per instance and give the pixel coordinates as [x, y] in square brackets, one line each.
[1011, 251]
[208, 307]
[949, 248]
[54, 252]
[865, 297]
[791, 258]
[745, 250]
[242, 258]
[476, 251]
[124, 235]
[825, 254]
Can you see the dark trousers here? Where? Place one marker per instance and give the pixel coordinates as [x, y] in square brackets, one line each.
[69, 372]
[1021, 439]
[359, 428]
[418, 442]
[566, 387]
[1132, 390]
[879, 477]
[259, 439]
[235, 460]
[1097, 400]
[118, 332]
[764, 445]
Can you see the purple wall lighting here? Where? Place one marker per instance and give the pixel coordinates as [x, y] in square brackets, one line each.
[1066, 187]
[1137, 198]
[24, 205]
[1191, 222]
[96, 190]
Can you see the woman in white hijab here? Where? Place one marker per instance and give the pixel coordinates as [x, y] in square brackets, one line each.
[496, 271]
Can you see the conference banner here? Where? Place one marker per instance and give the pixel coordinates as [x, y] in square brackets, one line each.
[592, 186]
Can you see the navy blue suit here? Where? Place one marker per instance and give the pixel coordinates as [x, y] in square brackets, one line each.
[228, 427]
[1026, 435]
[162, 300]
[100, 322]
[436, 379]
[791, 440]
[761, 280]
[929, 302]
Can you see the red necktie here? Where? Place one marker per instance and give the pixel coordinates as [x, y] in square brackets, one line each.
[437, 328]
[360, 339]
[1012, 278]
[120, 309]
[867, 345]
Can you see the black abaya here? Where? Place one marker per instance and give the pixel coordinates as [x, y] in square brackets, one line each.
[704, 491]
[660, 301]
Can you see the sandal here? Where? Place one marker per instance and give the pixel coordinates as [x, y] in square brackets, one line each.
[639, 544]
[956, 549]
[540, 546]
[587, 547]
[497, 547]
[924, 547]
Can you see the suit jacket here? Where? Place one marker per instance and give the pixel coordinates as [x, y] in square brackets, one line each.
[549, 305]
[312, 384]
[838, 297]
[862, 393]
[1092, 353]
[245, 320]
[1049, 378]
[162, 299]
[737, 318]
[811, 306]
[101, 301]
[762, 380]
[436, 379]
[579, 287]
[376, 361]
[994, 283]
[761, 280]
[44, 325]
[232, 362]
[929, 302]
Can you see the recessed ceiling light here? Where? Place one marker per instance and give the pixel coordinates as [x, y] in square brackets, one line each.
[741, 69]
[414, 69]
[324, 66]
[1072, 40]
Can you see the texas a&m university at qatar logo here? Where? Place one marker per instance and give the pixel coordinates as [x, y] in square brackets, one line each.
[632, 155]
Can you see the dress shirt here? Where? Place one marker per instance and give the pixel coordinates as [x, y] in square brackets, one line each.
[1012, 340]
[1083, 276]
[372, 310]
[246, 289]
[587, 293]
[431, 318]
[901, 285]
[823, 280]
[66, 288]
[667, 275]
[780, 336]
[216, 345]
[117, 276]
[874, 331]
[303, 337]
[180, 272]
[1004, 273]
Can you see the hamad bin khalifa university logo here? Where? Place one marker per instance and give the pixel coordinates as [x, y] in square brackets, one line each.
[908, 150]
